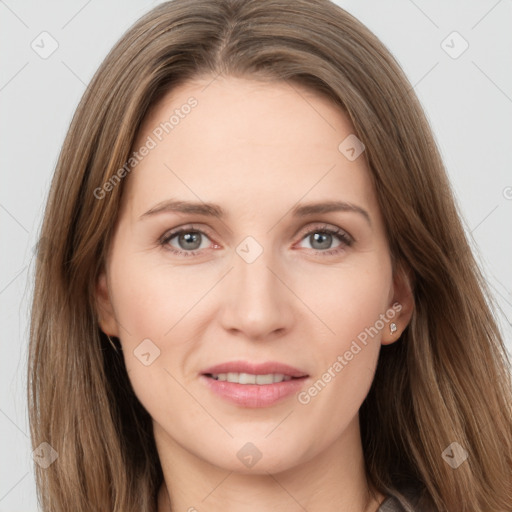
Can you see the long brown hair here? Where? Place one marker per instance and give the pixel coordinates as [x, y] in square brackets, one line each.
[446, 380]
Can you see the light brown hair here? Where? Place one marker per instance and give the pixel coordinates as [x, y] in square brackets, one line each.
[447, 379]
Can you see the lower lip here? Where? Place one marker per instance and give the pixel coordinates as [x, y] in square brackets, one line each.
[254, 395]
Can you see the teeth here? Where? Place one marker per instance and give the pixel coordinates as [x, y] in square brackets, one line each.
[248, 378]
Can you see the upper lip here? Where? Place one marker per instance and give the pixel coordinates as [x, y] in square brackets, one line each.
[255, 368]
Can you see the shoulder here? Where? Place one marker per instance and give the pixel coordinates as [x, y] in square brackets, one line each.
[406, 499]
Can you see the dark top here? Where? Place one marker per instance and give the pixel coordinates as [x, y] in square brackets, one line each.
[403, 500]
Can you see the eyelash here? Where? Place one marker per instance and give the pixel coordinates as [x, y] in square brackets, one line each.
[339, 233]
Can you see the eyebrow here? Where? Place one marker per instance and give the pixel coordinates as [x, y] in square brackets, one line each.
[214, 210]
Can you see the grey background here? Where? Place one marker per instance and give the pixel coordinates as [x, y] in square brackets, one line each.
[468, 101]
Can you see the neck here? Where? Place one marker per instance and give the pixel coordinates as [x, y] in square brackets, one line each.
[333, 480]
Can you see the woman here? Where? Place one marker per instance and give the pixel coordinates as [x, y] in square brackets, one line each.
[248, 371]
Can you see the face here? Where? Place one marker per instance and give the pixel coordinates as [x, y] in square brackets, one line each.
[250, 275]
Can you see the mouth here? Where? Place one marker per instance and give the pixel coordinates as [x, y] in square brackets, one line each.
[249, 378]
[246, 372]
[254, 385]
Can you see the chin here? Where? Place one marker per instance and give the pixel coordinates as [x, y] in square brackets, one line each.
[258, 456]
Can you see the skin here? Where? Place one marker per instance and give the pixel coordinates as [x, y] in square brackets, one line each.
[256, 149]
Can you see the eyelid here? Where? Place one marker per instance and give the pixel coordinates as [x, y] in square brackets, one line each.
[320, 226]
[307, 230]
[186, 227]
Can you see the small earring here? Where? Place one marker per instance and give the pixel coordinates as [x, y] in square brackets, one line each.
[112, 343]
[392, 327]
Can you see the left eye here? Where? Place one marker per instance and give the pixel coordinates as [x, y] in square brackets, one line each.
[190, 240]
[324, 239]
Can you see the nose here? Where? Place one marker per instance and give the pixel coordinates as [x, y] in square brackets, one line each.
[256, 300]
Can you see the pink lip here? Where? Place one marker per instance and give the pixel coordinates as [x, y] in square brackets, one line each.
[255, 369]
[254, 395]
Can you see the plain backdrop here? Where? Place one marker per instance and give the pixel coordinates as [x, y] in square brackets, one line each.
[463, 79]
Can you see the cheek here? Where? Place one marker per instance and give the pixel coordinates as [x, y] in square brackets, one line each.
[156, 307]
[352, 306]
[151, 296]
[347, 300]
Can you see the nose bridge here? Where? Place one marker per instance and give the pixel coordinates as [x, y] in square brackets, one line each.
[252, 270]
[254, 281]
[256, 300]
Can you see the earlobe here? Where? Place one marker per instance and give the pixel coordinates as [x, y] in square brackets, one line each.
[401, 307]
[104, 308]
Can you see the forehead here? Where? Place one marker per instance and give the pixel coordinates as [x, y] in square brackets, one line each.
[235, 140]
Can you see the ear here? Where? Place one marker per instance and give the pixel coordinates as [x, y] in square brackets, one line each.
[402, 304]
[105, 311]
